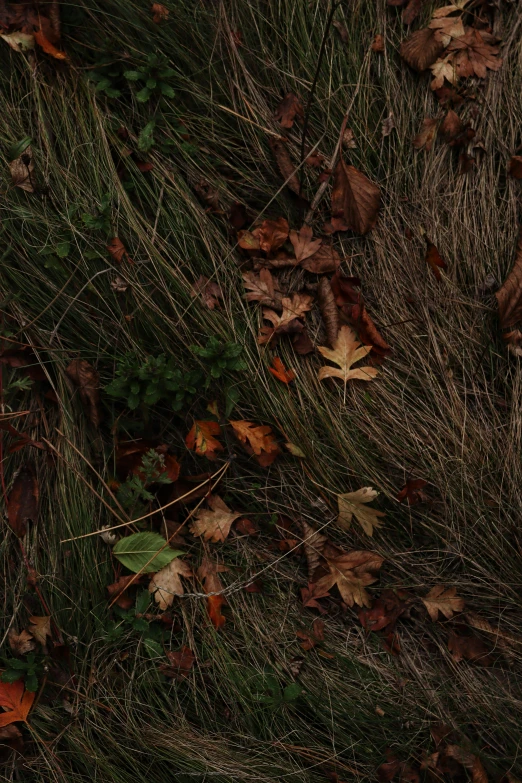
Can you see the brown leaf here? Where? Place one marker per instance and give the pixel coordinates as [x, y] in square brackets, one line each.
[349, 142]
[325, 260]
[378, 43]
[351, 572]
[435, 260]
[87, 379]
[166, 583]
[355, 199]
[201, 439]
[280, 372]
[443, 600]
[259, 438]
[385, 611]
[475, 53]
[208, 572]
[209, 291]
[117, 251]
[118, 590]
[285, 165]
[289, 108]
[159, 13]
[214, 523]
[509, 295]
[411, 11]
[329, 311]
[426, 135]
[443, 68]
[469, 648]
[412, 492]
[446, 28]
[180, 663]
[48, 47]
[262, 288]
[16, 700]
[271, 234]
[343, 32]
[314, 544]
[346, 351]
[20, 643]
[367, 331]
[421, 49]
[247, 240]
[451, 125]
[289, 321]
[22, 504]
[237, 216]
[302, 343]
[469, 761]
[355, 504]
[315, 160]
[40, 629]
[515, 167]
[303, 243]
[22, 169]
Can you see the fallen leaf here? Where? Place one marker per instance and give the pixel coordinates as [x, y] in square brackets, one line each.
[246, 527]
[469, 648]
[159, 13]
[341, 29]
[435, 260]
[329, 310]
[87, 379]
[16, 700]
[426, 135]
[214, 604]
[443, 69]
[41, 629]
[368, 333]
[209, 573]
[247, 240]
[311, 597]
[289, 321]
[421, 49]
[47, 46]
[314, 545]
[309, 640]
[346, 351]
[289, 108]
[259, 438]
[166, 583]
[451, 125]
[295, 451]
[118, 590]
[214, 523]
[22, 169]
[22, 504]
[117, 251]
[119, 285]
[388, 125]
[351, 572]
[20, 643]
[443, 600]
[411, 11]
[208, 290]
[271, 234]
[515, 167]
[378, 43]
[324, 260]
[315, 160]
[354, 504]
[262, 288]
[303, 243]
[302, 343]
[19, 42]
[348, 141]
[355, 199]
[201, 439]
[285, 165]
[475, 53]
[469, 761]
[509, 299]
[238, 215]
[447, 28]
[412, 492]
[385, 611]
[180, 663]
[279, 371]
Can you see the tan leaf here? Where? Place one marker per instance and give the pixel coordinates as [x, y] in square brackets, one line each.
[22, 169]
[166, 583]
[347, 350]
[355, 198]
[325, 260]
[351, 572]
[426, 135]
[354, 504]
[450, 9]
[295, 451]
[289, 321]
[208, 573]
[421, 49]
[214, 523]
[509, 295]
[87, 379]
[20, 643]
[289, 108]
[447, 28]
[40, 629]
[259, 438]
[388, 125]
[159, 13]
[441, 600]
[443, 69]
[475, 53]
[271, 234]
[20, 42]
[314, 544]
[303, 243]
[262, 288]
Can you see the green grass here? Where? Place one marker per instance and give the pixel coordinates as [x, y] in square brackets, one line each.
[446, 408]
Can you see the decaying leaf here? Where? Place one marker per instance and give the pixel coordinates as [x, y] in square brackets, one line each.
[280, 372]
[509, 299]
[40, 628]
[476, 53]
[412, 492]
[22, 169]
[285, 164]
[118, 251]
[48, 47]
[469, 761]
[421, 49]
[159, 13]
[324, 260]
[303, 242]
[385, 611]
[118, 590]
[19, 42]
[443, 600]
[214, 523]
[347, 351]
[289, 108]
[16, 700]
[289, 321]
[388, 125]
[209, 291]
[271, 234]
[355, 199]
[201, 439]
[434, 260]
[22, 504]
[354, 504]
[309, 640]
[179, 665]
[166, 583]
[469, 648]
[426, 135]
[351, 572]
[447, 28]
[259, 438]
[314, 544]
[87, 379]
[378, 44]
[329, 311]
[262, 288]
[209, 572]
[20, 643]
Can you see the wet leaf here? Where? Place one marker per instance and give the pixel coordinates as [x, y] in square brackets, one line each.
[201, 439]
[354, 504]
[279, 371]
[22, 504]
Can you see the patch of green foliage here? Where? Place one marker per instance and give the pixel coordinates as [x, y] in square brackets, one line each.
[220, 357]
[132, 620]
[30, 668]
[133, 492]
[156, 75]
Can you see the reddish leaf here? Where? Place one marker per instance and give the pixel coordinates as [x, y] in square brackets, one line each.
[426, 135]
[289, 108]
[22, 504]
[180, 663]
[201, 439]
[279, 371]
[214, 604]
[237, 215]
[271, 234]
[47, 46]
[412, 492]
[378, 44]
[159, 13]
[435, 260]
[16, 700]
[119, 589]
[469, 648]
[355, 199]
[117, 251]
[208, 290]
[385, 611]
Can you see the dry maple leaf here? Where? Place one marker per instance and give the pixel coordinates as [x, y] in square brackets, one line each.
[289, 321]
[289, 108]
[117, 251]
[303, 242]
[262, 288]
[259, 438]
[385, 611]
[271, 234]
[426, 135]
[166, 583]
[22, 504]
[347, 350]
[87, 379]
[443, 600]
[209, 291]
[40, 629]
[475, 53]
[421, 49]
[355, 199]
[16, 700]
[434, 260]
[351, 572]
[201, 439]
[214, 523]
[20, 643]
[354, 504]
[280, 372]
[159, 13]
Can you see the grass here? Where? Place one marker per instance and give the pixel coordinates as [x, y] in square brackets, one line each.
[446, 408]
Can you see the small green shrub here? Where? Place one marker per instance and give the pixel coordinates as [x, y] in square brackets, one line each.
[133, 492]
[30, 668]
[156, 74]
[220, 357]
[101, 221]
[133, 620]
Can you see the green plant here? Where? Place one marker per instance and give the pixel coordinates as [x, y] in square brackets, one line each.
[156, 74]
[220, 357]
[157, 378]
[144, 552]
[265, 689]
[30, 668]
[133, 619]
[133, 492]
[101, 221]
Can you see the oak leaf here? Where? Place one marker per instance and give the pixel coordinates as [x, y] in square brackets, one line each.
[421, 49]
[262, 288]
[280, 372]
[87, 379]
[289, 321]
[351, 572]
[355, 199]
[426, 135]
[443, 600]
[22, 503]
[214, 523]
[16, 700]
[201, 439]
[347, 350]
[354, 504]
[40, 628]
[303, 242]
[475, 53]
[166, 583]
[259, 438]
[20, 643]
[289, 108]
[271, 234]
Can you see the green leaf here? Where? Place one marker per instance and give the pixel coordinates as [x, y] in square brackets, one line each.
[292, 692]
[63, 249]
[31, 683]
[132, 76]
[15, 150]
[167, 90]
[135, 551]
[231, 399]
[142, 601]
[143, 95]
[153, 648]
[11, 675]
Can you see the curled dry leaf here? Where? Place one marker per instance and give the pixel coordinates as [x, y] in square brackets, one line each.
[443, 600]
[346, 351]
[329, 311]
[166, 583]
[351, 572]
[388, 125]
[285, 164]
[354, 504]
[271, 234]
[20, 643]
[213, 524]
[421, 49]
[259, 438]
[434, 260]
[262, 288]
[159, 13]
[87, 379]
[16, 701]
[447, 28]
[355, 199]
[48, 47]
[287, 111]
[117, 251]
[426, 135]
[209, 291]
[367, 331]
[21, 170]
[289, 321]
[201, 439]
[280, 372]
[303, 243]
[22, 503]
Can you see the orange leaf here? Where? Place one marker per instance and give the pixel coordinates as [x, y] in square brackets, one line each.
[280, 372]
[15, 699]
[117, 251]
[48, 47]
[258, 440]
[214, 604]
[159, 13]
[201, 440]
